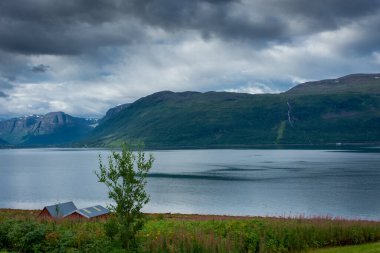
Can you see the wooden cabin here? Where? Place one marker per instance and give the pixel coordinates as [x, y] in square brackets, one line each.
[57, 211]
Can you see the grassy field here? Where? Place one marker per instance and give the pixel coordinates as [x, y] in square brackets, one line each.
[365, 248]
[21, 231]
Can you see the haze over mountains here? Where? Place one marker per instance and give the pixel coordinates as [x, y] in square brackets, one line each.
[342, 110]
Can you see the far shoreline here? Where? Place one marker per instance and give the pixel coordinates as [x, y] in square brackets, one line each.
[289, 146]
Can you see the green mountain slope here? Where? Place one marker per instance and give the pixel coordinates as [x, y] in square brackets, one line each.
[113, 112]
[190, 118]
[218, 119]
[2, 142]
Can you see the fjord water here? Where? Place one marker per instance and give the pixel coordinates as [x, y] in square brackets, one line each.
[233, 182]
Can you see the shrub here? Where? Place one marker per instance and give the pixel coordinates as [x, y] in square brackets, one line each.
[5, 227]
[27, 236]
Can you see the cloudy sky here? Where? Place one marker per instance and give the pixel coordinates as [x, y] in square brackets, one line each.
[85, 56]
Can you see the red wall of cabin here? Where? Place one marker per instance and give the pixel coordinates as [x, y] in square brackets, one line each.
[44, 214]
[75, 216]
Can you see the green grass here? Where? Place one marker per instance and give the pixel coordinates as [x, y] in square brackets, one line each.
[257, 235]
[365, 248]
[20, 231]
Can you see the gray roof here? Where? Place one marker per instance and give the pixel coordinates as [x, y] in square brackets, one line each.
[61, 210]
[93, 211]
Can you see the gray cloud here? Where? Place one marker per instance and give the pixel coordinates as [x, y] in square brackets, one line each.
[5, 83]
[40, 68]
[3, 95]
[100, 53]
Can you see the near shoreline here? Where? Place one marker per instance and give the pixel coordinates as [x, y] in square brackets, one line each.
[203, 217]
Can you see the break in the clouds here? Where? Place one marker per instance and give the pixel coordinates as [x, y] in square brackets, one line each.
[84, 56]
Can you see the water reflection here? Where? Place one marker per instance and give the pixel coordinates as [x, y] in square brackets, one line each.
[235, 182]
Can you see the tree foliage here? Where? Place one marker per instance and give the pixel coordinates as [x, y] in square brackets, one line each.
[125, 176]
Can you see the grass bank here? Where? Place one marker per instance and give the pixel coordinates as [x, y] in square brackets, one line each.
[365, 248]
[21, 231]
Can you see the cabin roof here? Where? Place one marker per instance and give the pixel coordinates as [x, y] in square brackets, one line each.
[93, 211]
[61, 210]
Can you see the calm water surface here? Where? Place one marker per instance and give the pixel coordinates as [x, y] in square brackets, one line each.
[234, 182]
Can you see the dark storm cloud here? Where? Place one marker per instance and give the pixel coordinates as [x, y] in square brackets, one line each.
[63, 27]
[210, 18]
[40, 68]
[75, 26]
[42, 11]
[260, 20]
[328, 13]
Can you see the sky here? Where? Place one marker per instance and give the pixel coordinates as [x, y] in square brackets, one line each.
[86, 56]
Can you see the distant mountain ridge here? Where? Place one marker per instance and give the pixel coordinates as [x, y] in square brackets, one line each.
[49, 129]
[354, 83]
[342, 110]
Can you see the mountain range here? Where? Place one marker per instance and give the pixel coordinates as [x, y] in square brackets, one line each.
[55, 128]
[342, 110]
